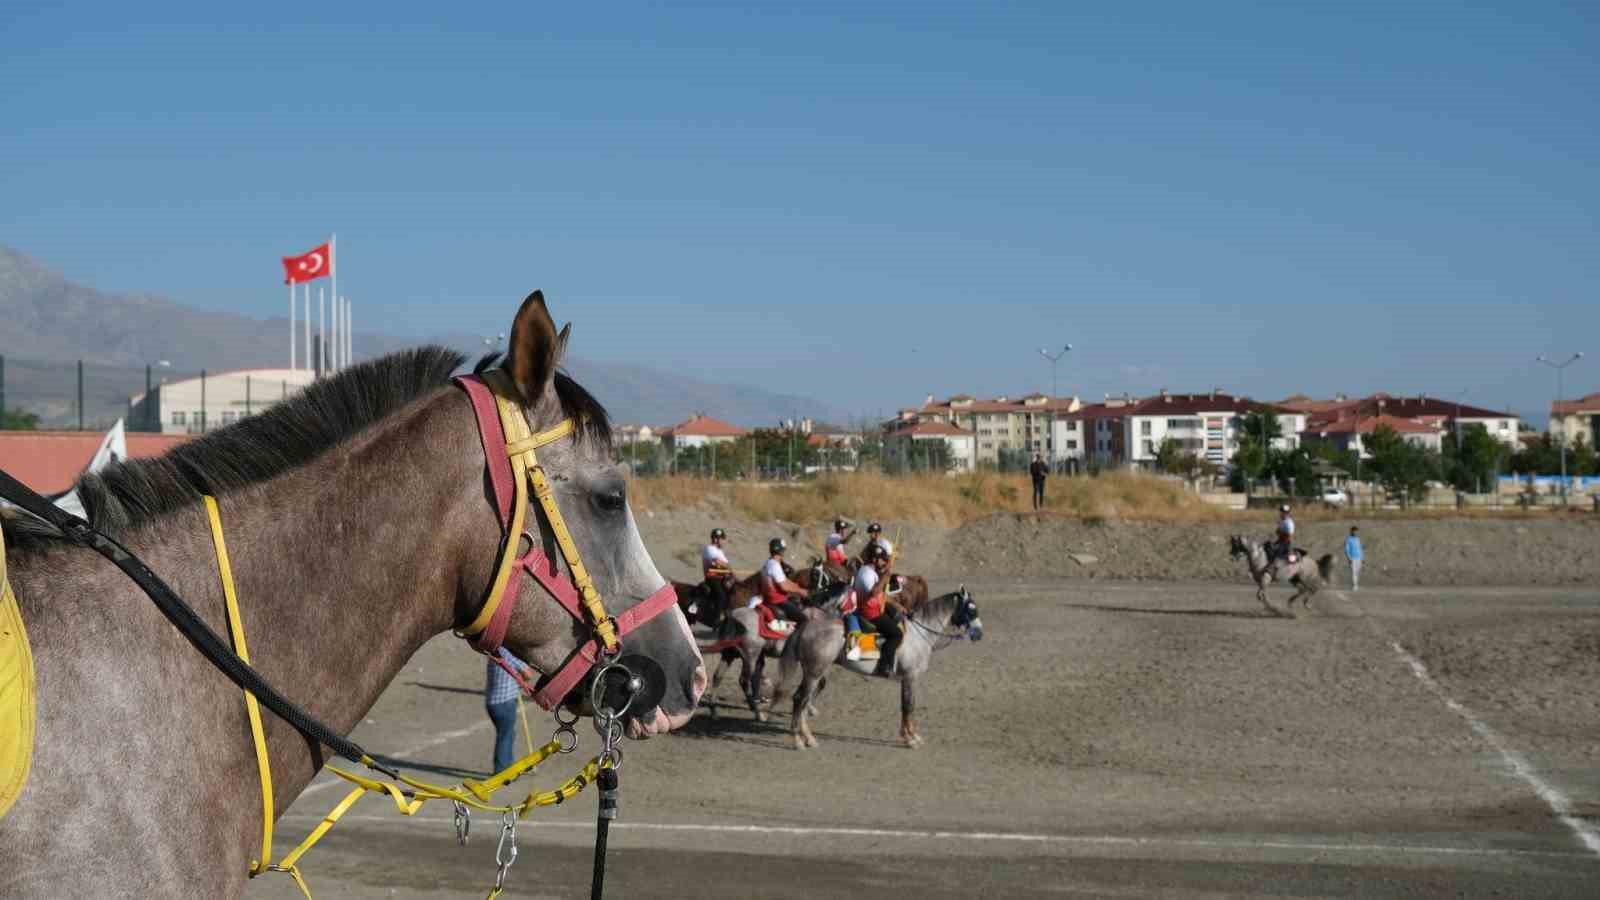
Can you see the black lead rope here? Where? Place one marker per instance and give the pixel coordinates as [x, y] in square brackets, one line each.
[186, 620]
[607, 781]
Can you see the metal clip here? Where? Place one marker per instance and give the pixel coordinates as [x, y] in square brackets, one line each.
[508, 842]
[463, 822]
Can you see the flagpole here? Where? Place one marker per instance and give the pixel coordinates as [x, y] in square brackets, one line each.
[333, 274]
[291, 326]
[322, 330]
[334, 332]
[350, 333]
[308, 325]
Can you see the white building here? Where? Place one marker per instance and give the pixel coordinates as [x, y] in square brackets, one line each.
[700, 430]
[200, 404]
[902, 445]
[1205, 425]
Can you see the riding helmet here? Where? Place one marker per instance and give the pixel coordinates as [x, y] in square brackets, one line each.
[1283, 508]
[839, 524]
[874, 528]
[776, 545]
[874, 552]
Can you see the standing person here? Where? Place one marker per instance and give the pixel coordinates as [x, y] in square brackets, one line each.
[500, 693]
[777, 590]
[718, 573]
[1352, 554]
[1039, 471]
[843, 531]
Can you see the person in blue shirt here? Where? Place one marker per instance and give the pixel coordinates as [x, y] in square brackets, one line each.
[1352, 554]
[500, 692]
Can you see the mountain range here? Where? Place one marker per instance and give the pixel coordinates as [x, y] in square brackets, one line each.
[49, 323]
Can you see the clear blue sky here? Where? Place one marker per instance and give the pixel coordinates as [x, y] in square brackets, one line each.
[862, 204]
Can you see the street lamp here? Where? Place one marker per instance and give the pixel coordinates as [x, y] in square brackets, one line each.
[1050, 438]
[1563, 435]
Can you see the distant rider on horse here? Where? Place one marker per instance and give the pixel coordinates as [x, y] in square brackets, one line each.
[843, 531]
[718, 571]
[777, 590]
[871, 588]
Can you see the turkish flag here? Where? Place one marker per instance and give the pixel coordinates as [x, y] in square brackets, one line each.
[317, 263]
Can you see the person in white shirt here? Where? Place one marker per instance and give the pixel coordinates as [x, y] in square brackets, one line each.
[871, 588]
[718, 574]
[777, 590]
[1285, 532]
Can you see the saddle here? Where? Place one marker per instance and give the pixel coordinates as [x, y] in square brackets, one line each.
[16, 695]
[772, 626]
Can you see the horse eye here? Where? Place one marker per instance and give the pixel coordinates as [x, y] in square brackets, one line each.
[612, 500]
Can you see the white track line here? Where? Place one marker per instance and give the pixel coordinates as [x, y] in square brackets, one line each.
[1516, 762]
[447, 737]
[1008, 837]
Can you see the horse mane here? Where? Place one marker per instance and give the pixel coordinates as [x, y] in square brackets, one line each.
[289, 435]
[938, 609]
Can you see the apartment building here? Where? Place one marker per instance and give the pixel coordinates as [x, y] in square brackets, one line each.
[1431, 415]
[1207, 425]
[1571, 420]
[1028, 424]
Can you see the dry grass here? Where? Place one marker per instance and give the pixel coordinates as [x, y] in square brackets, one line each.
[932, 499]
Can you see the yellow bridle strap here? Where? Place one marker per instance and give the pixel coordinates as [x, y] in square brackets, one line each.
[252, 709]
[525, 468]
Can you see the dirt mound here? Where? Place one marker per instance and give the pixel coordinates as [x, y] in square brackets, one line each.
[1468, 551]
[1435, 551]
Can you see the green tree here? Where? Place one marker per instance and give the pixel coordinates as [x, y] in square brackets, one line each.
[1403, 468]
[18, 420]
[1473, 464]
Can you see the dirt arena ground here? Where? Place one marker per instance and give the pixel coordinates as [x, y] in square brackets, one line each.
[1105, 740]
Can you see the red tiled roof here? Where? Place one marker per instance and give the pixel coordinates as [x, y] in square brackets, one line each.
[1591, 403]
[1352, 425]
[51, 461]
[927, 429]
[705, 426]
[1196, 404]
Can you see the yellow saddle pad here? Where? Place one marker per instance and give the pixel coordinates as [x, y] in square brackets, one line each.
[16, 695]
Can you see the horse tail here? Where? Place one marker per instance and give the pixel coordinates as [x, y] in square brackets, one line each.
[1325, 566]
[791, 653]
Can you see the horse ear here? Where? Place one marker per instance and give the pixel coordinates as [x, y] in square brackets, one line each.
[535, 348]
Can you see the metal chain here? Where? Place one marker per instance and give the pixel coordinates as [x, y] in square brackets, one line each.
[463, 819]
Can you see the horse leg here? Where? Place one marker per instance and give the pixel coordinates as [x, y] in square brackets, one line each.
[797, 720]
[908, 708]
[748, 675]
[811, 708]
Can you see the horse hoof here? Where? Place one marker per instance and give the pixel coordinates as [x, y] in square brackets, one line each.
[799, 742]
[811, 741]
[761, 716]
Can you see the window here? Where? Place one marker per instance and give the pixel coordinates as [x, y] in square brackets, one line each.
[229, 417]
[179, 417]
[1149, 448]
[1144, 428]
[1072, 426]
[1072, 445]
[1505, 426]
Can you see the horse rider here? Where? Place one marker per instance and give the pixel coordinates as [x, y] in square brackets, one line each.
[717, 570]
[843, 531]
[777, 590]
[1285, 544]
[875, 537]
[871, 588]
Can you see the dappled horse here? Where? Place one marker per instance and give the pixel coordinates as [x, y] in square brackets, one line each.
[752, 635]
[1306, 576]
[360, 523]
[819, 643]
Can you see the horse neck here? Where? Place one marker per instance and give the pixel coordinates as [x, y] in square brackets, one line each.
[343, 569]
[936, 610]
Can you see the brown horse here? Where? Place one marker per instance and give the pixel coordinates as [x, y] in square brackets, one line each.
[360, 524]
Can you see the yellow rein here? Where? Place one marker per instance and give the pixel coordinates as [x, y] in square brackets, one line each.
[520, 447]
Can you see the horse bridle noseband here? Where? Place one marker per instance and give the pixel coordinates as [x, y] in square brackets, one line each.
[508, 446]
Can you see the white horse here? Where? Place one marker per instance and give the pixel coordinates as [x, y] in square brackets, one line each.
[1306, 576]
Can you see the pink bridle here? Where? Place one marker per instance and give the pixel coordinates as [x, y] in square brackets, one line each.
[513, 468]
